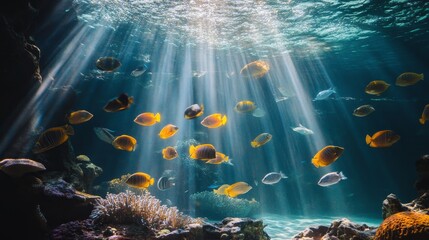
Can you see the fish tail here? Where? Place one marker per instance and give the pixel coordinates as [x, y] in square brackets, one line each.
[422, 121]
[158, 117]
[254, 144]
[422, 76]
[282, 175]
[224, 119]
[191, 151]
[368, 139]
[229, 162]
[69, 129]
[131, 100]
[202, 107]
[152, 181]
[342, 176]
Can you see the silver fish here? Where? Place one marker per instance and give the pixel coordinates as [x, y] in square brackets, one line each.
[324, 94]
[273, 177]
[139, 71]
[302, 130]
[258, 112]
[104, 134]
[331, 179]
[165, 183]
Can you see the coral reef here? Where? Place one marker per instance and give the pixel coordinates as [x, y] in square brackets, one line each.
[404, 225]
[339, 229]
[211, 205]
[144, 209]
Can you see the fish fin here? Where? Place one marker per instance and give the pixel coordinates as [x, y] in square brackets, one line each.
[224, 119]
[422, 121]
[158, 117]
[202, 107]
[342, 176]
[152, 181]
[368, 139]
[69, 129]
[299, 124]
[130, 100]
[422, 76]
[282, 175]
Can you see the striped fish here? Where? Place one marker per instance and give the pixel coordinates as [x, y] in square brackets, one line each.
[104, 134]
[165, 183]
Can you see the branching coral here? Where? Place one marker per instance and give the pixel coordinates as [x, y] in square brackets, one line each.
[213, 205]
[128, 207]
[404, 225]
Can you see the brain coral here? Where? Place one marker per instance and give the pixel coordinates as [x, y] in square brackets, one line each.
[404, 225]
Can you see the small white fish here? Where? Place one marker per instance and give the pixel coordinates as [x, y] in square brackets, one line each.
[104, 134]
[258, 112]
[324, 94]
[331, 179]
[302, 130]
[139, 71]
[273, 178]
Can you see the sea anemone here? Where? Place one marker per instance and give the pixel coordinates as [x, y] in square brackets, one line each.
[128, 207]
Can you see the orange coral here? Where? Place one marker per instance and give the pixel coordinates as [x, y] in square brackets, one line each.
[404, 225]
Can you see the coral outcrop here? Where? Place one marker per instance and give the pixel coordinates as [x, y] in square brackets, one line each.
[211, 205]
[404, 225]
[392, 205]
[339, 229]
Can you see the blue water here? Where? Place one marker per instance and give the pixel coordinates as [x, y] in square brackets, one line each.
[310, 46]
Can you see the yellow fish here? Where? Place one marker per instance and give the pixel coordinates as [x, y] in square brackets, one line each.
[256, 69]
[140, 180]
[245, 106]
[118, 104]
[237, 188]
[147, 119]
[202, 152]
[221, 189]
[261, 139]
[327, 155]
[80, 116]
[425, 114]
[53, 137]
[168, 131]
[376, 87]
[408, 79]
[384, 138]
[169, 153]
[220, 158]
[214, 121]
[125, 142]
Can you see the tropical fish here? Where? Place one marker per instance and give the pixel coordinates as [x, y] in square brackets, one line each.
[256, 69]
[139, 71]
[104, 134]
[237, 188]
[202, 152]
[214, 121]
[147, 119]
[169, 153]
[273, 178]
[165, 183]
[363, 111]
[221, 190]
[220, 158]
[302, 130]
[327, 155]
[324, 94]
[425, 114]
[331, 179]
[245, 106]
[83, 158]
[384, 138]
[408, 79]
[107, 64]
[198, 74]
[140, 180]
[78, 117]
[125, 142]
[194, 111]
[53, 137]
[261, 139]
[118, 104]
[258, 112]
[168, 131]
[376, 87]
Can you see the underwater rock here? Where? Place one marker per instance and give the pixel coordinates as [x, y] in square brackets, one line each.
[422, 168]
[404, 225]
[392, 205]
[211, 205]
[61, 203]
[339, 229]
[90, 172]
